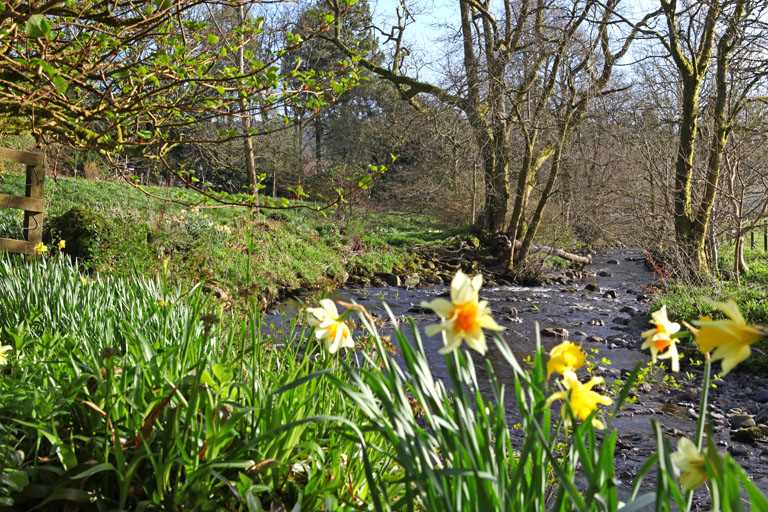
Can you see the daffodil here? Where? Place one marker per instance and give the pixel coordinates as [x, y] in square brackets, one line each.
[3, 350]
[581, 398]
[84, 280]
[659, 338]
[564, 357]
[728, 339]
[62, 244]
[463, 317]
[691, 463]
[40, 248]
[334, 332]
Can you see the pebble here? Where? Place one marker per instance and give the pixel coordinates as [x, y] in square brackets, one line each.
[555, 332]
[741, 421]
[604, 273]
[629, 309]
[620, 320]
[610, 294]
[738, 450]
[591, 287]
[641, 297]
[762, 396]
[612, 262]
[596, 339]
[596, 321]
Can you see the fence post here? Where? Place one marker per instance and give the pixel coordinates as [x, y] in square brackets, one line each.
[33, 221]
[33, 202]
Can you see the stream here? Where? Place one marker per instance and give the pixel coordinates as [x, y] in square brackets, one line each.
[605, 308]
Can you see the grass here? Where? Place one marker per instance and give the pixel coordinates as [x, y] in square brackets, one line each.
[687, 302]
[130, 394]
[279, 250]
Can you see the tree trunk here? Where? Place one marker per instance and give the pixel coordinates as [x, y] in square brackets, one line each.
[522, 254]
[250, 161]
[495, 173]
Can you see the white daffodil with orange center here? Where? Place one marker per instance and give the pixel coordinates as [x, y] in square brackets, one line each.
[580, 397]
[659, 339]
[463, 317]
[334, 332]
[563, 357]
[727, 339]
[691, 463]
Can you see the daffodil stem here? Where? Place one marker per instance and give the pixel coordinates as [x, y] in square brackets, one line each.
[702, 421]
[699, 440]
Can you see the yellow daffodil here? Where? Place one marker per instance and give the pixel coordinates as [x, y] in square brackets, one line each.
[3, 350]
[463, 317]
[727, 339]
[40, 248]
[334, 332]
[84, 280]
[659, 339]
[565, 356]
[581, 398]
[161, 303]
[62, 244]
[691, 463]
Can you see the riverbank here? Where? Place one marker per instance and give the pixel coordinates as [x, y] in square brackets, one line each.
[116, 229]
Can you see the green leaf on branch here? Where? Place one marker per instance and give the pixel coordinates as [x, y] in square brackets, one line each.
[61, 83]
[38, 27]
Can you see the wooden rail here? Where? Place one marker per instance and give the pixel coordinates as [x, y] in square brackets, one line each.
[33, 202]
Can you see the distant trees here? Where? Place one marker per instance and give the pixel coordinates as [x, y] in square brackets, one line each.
[137, 77]
[696, 36]
[529, 72]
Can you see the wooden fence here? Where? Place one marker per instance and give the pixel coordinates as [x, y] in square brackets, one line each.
[33, 202]
[764, 229]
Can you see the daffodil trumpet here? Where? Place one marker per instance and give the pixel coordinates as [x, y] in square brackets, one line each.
[729, 339]
[463, 317]
[660, 340]
[579, 398]
[330, 326]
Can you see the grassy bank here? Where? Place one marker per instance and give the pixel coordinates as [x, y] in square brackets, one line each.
[687, 301]
[128, 232]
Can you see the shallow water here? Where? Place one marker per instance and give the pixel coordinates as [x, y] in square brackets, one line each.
[612, 326]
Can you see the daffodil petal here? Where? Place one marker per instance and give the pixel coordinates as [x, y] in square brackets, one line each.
[476, 341]
[442, 307]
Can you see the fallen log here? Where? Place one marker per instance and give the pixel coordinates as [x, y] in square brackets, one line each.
[554, 251]
[506, 251]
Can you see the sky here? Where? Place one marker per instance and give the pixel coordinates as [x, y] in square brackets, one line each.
[430, 31]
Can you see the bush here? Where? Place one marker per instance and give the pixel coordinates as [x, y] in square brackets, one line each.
[83, 229]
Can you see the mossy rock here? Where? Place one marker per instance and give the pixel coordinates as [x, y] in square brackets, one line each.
[83, 229]
[751, 434]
